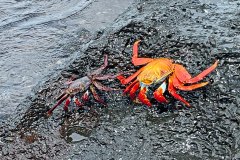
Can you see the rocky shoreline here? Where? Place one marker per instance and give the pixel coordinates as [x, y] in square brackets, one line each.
[193, 33]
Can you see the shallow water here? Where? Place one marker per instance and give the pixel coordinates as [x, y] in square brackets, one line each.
[39, 37]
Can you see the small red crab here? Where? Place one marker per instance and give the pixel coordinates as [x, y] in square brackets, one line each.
[161, 71]
[82, 85]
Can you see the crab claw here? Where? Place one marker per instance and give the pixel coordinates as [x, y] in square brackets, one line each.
[78, 103]
[158, 94]
[142, 96]
[68, 101]
[85, 96]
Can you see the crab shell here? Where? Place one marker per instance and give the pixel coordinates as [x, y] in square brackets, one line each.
[161, 71]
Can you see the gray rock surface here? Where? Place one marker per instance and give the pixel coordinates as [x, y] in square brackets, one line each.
[193, 33]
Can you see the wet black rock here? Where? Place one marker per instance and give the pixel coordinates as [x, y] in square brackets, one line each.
[192, 33]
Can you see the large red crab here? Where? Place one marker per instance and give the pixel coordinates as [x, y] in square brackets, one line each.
[164, 72]
[82, 86]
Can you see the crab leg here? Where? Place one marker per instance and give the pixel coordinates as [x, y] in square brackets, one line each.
[99, 70]
[203, 74]
[183, 75]
[63, 97]
[124, 80]
[158, 94]
[142, 96]
[96, 96]
[102, 87]
[129, 87]
[59, 97]
[177, 84]
[173, 92]
[71, 79]
[133, 90]
[105, 77]
[138, 61]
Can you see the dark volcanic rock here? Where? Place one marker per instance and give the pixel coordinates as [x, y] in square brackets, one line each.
[193, 33]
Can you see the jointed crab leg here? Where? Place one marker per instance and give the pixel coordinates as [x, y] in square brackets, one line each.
[173, 92]
[138, 61]
[177, 84]
[133, 90]
[102, 87]
[128, 88]
[105, 77]
[59, 97]
[71, 79]
[99, 70]
[63, 97]
[96, 96]
[124, 80]
[183, 75]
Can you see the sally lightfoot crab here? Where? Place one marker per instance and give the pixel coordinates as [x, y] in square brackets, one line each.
[164, 72]
[84, 86]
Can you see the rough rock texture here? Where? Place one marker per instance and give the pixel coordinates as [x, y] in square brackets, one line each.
[193, 33]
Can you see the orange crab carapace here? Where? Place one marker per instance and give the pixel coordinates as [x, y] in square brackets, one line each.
[164, 72]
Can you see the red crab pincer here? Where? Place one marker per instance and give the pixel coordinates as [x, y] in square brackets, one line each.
[82, 86]
[163, 72]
